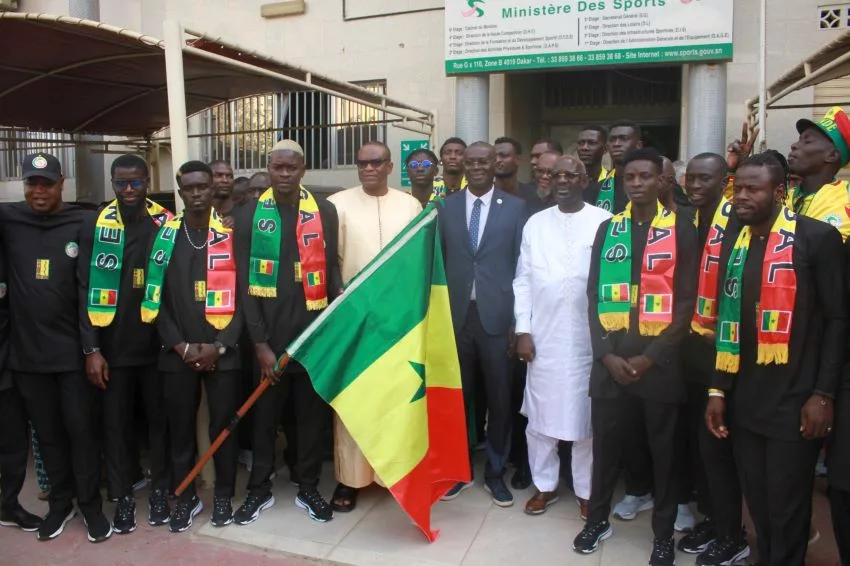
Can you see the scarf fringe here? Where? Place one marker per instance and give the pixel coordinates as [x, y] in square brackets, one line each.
[612, 321]
[101, 319]
[651, 327]
[772, 354]
[317, 304]
[728, 362]
[260, 291]
[149, 315]
[219, 321]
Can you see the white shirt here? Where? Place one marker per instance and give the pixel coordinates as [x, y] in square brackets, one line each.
[482, 221]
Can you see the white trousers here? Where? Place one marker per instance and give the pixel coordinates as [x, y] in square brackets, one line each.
[546, 465]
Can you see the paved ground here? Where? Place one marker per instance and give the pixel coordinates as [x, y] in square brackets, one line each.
[474, 532]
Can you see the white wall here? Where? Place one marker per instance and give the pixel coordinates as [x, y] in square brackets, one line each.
[792, 35]
[407, 51]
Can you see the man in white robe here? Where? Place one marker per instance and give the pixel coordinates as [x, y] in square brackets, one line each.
[553, 334]
[370, 216]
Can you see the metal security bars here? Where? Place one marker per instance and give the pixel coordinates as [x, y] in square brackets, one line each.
[16, 143]
[329, 128]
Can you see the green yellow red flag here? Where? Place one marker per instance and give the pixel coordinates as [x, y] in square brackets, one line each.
[383, 356]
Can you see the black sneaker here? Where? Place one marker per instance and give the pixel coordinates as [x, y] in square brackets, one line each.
[724, 552]
[222, 514]
[698, 540]
[456, 490]
[250, 511]
[54, 523]
[587, 541]
[312, 502]
[159, 512]
[98, 527]
[21, 518]
[124, 521]
[500, 493]
[183, 513]
[663, 552]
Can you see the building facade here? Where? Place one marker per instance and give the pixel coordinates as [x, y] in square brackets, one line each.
[400, 46]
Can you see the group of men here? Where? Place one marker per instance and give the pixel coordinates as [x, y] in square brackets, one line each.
[694, 342]
[135, 306]
[691, 339]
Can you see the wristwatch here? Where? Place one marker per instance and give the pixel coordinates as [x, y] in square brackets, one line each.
[90, 351]
[221, 348]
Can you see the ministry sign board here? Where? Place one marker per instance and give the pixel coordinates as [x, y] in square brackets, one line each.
[494, 36]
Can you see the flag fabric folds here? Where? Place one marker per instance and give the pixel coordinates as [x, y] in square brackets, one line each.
[383, 356]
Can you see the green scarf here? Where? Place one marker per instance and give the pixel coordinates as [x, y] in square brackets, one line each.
[310, 270]
[219, 289]
[775, 309]
[605, 200]
[107, 260]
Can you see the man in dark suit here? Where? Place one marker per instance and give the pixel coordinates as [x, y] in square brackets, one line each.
[481, 230]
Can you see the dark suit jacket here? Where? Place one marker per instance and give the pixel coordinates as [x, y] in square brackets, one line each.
[492, 267]
[768, 399]
[663, 381]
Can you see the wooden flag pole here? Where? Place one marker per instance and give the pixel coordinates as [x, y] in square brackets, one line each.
[261, 388]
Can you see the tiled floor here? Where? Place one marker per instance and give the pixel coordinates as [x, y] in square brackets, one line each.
[473, 533]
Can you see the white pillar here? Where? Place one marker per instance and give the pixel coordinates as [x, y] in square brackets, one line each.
[90, 179]
[707, 108]
[173, 36]
[762, 111]
[472, 108]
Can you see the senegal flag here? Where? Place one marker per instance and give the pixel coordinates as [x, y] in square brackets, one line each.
[383, 356]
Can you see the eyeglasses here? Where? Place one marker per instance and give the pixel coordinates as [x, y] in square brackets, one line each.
[566, 176]
[121, 184]
[425, 164]
[543, 172]
[375, 163]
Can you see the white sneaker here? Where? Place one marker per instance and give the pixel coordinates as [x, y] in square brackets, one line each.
[628, 508]
[685, 520]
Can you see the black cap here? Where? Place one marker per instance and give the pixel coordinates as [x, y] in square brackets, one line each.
[41, 165]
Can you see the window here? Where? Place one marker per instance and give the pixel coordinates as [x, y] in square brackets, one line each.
[329, 128]
[836, 16]
[16, 143]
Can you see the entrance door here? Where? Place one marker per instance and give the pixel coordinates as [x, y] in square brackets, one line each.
[663, 137]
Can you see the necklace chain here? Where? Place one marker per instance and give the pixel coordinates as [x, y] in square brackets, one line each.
[189, 238]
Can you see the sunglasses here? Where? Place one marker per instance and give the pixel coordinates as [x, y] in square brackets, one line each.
[375, 163]
[425, 164]
[543, 172]
[121, 184]
[565, 176]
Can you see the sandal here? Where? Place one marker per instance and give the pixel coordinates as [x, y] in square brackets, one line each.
[344, 498]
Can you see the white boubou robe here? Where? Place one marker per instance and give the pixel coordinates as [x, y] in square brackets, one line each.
[550, 292]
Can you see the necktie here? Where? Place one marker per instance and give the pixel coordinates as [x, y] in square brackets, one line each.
[474, 221]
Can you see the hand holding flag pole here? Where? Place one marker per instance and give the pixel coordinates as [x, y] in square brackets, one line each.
[261, 388]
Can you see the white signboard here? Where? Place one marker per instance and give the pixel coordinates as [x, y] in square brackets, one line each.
[494, 36]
